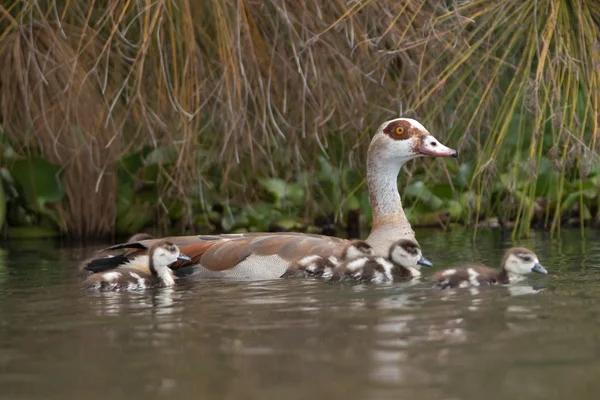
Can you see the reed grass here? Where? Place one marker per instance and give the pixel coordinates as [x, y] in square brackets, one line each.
[251, 89]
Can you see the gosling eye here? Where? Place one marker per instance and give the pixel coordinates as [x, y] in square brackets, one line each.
[411, 250]
[526, 258]
[172, 249]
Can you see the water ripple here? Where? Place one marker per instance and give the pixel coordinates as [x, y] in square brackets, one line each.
[305, 338]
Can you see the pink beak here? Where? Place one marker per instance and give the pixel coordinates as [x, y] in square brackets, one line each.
[430, 146]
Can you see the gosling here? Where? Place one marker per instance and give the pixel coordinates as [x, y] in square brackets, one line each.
[517, 263]
[143, 272]
[315, 266]
[403, 263]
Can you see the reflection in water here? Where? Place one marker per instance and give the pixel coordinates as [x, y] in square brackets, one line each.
[523, 290]
[305, 339]
[151, 302]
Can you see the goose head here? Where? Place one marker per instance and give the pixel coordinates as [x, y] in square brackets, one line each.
[407, 253]
[165, 253]
[357, 248]
[403, 139]
[522, 261]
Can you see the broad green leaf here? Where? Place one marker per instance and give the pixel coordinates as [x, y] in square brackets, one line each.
[443, 191]
[419, 191]
[162, 155]
[275, 187]
[464, 175]
[585, 212]
[569, 201]
[295, 193]
[129, 166]
[288, 224]
[352, 203]
[38, 180]
[125, 194]
[135, 218]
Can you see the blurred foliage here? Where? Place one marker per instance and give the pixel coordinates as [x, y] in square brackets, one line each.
[29, 188]
[188, 116]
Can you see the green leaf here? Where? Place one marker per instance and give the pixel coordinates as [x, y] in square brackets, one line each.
[443, 191]
[175, 208]
[415, 189]
[150, 173]
[31, 232]
[352, 203]
[288, 224]
[585, 212]
[38, 180]
[129, 166]
[548, 181]
[275, 187]
[569, 201]
[162, 155]
[2, 205]
[420, 191]
[260, 216]
[455, 209]
[295, 193]
[281, 190]
[135, 218]
[125, 195]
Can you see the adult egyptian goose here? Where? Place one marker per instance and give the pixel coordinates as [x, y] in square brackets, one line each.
[142, 272]
[315, 266]
[268, 255]
[517, 263]
[403, 263]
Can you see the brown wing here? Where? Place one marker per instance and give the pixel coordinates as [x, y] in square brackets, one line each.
[485, 275]
[460, 275]
[222, 252]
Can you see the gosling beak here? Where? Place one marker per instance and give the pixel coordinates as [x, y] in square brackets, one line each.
[430, 146]
[424, 262]
[183, 257]
[539, 269]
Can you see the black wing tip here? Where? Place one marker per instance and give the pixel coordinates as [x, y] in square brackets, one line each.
[129, 245]
[105, 264]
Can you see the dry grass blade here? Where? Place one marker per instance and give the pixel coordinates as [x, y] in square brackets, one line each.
[246, 89]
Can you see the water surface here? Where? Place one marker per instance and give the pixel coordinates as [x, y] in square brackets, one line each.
[299, 339]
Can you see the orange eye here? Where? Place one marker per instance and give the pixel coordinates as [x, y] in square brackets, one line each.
[400, 130]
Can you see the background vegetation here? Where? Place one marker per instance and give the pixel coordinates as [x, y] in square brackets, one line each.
[220, 115]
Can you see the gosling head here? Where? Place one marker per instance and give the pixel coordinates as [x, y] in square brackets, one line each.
[165, 253]
[522, 261]
[356, 249]
[402, 139]
[407, 253]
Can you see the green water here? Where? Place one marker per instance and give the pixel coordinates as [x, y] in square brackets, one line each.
[292, 339]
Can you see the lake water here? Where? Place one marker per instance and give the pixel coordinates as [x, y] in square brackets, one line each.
[302, 339]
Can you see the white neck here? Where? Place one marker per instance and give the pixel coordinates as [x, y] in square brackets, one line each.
[514, 278]
[163, 272]
[166, 277]
[389, 221]
[415, 273]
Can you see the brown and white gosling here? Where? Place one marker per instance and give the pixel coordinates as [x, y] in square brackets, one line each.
[314, 266]
[94, 265]
[143, 272]
[403, 263]
[517, 263]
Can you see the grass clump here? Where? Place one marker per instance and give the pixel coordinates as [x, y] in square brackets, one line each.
[218, 115]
